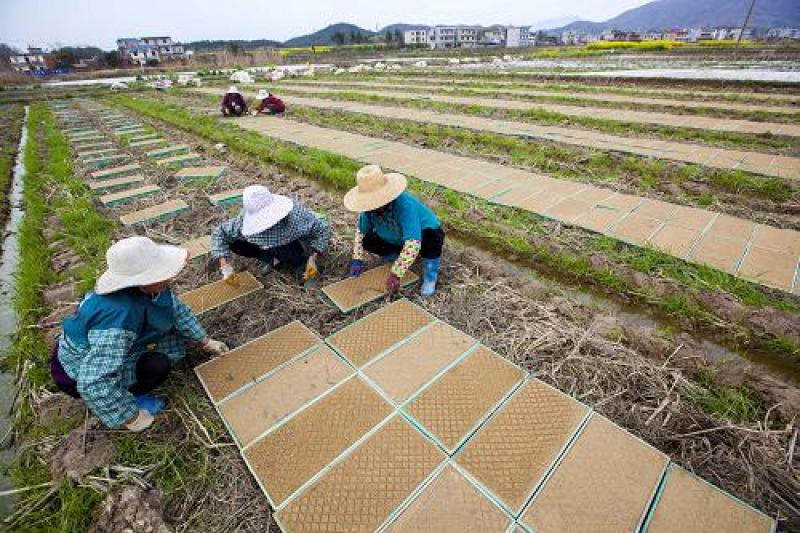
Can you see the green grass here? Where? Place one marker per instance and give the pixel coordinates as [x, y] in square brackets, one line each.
[543, 117]
[736, 404]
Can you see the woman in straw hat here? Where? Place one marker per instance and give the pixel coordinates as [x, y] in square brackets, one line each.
[395, 225]
[125, 335]
[270, 104]
[233, 102]
[275, 229]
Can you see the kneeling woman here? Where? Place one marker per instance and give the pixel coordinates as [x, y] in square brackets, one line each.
[125, 335]
[395, 225]
[274, 229]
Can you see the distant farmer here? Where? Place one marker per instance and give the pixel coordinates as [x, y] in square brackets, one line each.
[269, 104]
[233, 103]
[125, 336]
[275, 229]
[394, 225]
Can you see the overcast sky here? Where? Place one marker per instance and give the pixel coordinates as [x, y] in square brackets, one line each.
[101, 22]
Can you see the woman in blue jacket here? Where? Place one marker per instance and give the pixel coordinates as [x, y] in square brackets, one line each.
[125, 335]
[397, 226]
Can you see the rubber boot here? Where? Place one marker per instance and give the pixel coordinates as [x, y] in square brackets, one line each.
[151, 404]
[430, 273]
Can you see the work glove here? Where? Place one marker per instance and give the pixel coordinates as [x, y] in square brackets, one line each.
[356, 268]
[312, 271]
[215, 347]
[392, 283]
[227, 272]
[151, 404]
[142, 421]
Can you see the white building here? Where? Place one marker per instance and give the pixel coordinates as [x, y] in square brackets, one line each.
[466, 37]
[415, 37]
[141, 51]
[34, 60]
[442, 37]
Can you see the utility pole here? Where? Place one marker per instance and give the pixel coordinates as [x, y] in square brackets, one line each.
[746, 22]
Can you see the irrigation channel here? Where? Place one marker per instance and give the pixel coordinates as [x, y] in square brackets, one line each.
[8, 317]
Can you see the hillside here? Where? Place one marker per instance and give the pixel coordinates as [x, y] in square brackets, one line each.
[325, 35]
[665, 14]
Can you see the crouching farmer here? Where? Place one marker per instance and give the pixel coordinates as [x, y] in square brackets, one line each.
[270, 104]
[276, 230]
[125, 336]
[394, 225]
[233, 103]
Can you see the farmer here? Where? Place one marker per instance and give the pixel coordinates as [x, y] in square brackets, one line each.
[275, 229]
[395, 225]
[125, 335]
[270, 104]
[233, 103]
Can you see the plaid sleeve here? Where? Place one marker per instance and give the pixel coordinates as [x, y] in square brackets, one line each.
[100, 376]
[320, 235]
[222, 237]
[186, 322]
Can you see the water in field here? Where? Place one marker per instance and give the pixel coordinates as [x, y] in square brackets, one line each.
[8, 317]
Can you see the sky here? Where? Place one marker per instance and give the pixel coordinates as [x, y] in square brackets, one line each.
[101, 22]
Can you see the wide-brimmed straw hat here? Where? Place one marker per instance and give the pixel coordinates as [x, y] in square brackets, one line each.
[262, 209]
[262, 94]
[138, 261]
[233, 90]
[374, 189]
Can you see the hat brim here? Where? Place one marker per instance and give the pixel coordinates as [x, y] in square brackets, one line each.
[267, 217]
[169, 264]
[359, 202]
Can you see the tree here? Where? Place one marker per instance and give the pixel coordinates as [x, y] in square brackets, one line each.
[398, 37]
[235, 49]
[112, 59]
[338, 38]
[389, 37]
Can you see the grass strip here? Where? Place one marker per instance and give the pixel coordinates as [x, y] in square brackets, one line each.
[549, 118]
[512, 232]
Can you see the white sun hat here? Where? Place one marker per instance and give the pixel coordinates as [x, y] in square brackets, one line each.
[262, 94]
[233, 90]
[374, 189]
[137, 261]
[262, 209]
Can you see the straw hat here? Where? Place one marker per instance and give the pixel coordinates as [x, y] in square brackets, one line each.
[262, 209]
[262, 94]
[138, 261]
[233, 90]
[374, 189]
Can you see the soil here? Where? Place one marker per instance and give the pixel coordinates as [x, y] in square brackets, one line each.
[81, 451]
[54, 407]
[132, 510]
[641, 387]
